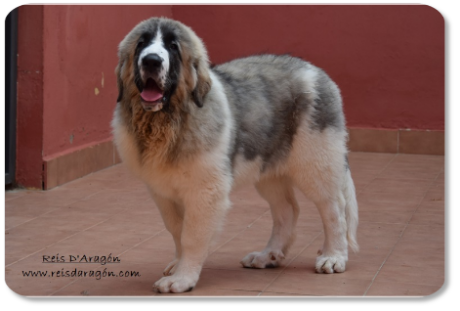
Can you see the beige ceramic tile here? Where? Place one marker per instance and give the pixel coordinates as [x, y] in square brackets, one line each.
[409, 166]
[401, 203]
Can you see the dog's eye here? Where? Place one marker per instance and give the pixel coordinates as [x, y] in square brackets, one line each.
[140, 42]
[174, 46]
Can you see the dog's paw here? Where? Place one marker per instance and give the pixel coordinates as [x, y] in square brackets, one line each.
[175, 284]
[260, 260]
[170, 268]
[330, 264]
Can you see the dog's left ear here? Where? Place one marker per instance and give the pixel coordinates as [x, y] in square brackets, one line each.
[203, 84]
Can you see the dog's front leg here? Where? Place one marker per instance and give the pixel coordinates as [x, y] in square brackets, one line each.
[172, 214]
[203, 214]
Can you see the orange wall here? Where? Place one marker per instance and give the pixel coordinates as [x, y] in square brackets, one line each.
[64, 53]
[388, 60]
[29, 125]
[80, 44]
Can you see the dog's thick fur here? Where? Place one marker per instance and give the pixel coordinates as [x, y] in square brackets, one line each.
[273, 121]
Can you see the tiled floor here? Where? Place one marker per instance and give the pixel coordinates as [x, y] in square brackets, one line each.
[401, 235]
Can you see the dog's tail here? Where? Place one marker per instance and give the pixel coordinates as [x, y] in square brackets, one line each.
[351, 211]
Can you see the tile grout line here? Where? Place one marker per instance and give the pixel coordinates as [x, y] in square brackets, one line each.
[22, 223]
[160, 233]
[428, 189]
[248, 226]
[66, 205]
[77, 279]
[395, 223]
[101, 222]
[406, 224]
[378, 174]
[12, 199]
[135, 245]
[284, 268]
[400, 236]
[408, 179]
[25, 257]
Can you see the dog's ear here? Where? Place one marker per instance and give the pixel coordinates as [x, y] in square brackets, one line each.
[118, 70]
[203, 84]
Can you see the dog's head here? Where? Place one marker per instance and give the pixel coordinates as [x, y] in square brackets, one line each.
[162, 62]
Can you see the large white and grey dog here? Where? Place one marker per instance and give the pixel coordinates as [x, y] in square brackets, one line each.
[193, 133]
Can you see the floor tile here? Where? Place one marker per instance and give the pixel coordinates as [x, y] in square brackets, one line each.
[375, 243]
[138, 282]
[383, 209]
[211, 283]
[29, 285]
[419, 246]
[272, 294]
[401, 236]
[398, 187]
[404, 274]
[441, 177]
[309, 283]
[158, 249]
[408, 166]
[32, 204]
[21, 242]
[15, 220]
[431, 210]
[14, 194]
[389, 289]
[242, 279]
[254, 239]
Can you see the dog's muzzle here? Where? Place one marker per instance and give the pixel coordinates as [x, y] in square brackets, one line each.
[152, 94]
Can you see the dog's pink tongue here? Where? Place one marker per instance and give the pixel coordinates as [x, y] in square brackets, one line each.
[151, 92]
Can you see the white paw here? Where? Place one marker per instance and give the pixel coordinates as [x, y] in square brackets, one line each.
[330, 264]
[175, 284]
[171, 268]
[264, 259]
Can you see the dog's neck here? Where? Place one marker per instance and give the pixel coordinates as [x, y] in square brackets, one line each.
[155, 132]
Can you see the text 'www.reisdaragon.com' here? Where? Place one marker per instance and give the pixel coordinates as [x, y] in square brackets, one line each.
[97, 274]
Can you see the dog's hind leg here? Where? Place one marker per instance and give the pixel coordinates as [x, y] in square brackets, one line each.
[283, 205]
[334, 255]
[322, 186]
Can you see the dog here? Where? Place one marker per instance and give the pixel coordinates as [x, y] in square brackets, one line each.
[193, 133]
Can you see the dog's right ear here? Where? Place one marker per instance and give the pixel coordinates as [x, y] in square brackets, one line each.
[119, 80]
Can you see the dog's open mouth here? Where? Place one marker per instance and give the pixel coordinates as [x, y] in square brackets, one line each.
[152, 96]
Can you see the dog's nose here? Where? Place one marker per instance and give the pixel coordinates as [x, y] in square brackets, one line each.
[152, 62]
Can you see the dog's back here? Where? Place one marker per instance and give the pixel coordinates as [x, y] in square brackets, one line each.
[270, 96]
